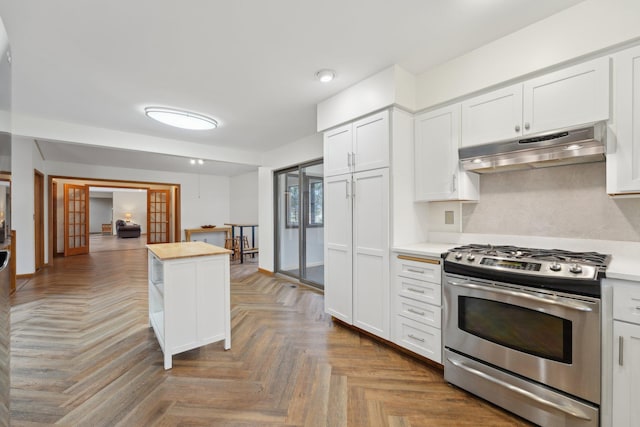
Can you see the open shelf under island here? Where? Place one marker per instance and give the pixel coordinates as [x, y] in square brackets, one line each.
[189, 301]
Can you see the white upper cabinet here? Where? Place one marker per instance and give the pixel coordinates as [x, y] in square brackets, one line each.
[566, 98]
[358, 146]
[623, 158]
[569, 97]
[438, 174]
[494, 116]
[337, 150]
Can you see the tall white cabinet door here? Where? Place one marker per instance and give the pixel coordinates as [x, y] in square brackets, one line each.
[623, 165]
[371, 252]
[492, 117]
[371, 142]
[338, 290]
[626, 375]
[338, 150]
[569, 97]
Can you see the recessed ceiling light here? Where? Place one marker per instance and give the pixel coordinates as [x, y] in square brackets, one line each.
[181, 119]
[194, 161]
[326, 76]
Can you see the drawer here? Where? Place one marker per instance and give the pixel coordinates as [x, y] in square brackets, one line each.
[626, 303]
[428, 292]
[421, 339]
[420, 312]
[418, 268]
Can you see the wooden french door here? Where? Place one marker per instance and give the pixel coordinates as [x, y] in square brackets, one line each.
[76, 219]
[158, 213]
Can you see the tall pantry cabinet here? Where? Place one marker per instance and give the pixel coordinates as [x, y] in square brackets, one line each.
[356, 215]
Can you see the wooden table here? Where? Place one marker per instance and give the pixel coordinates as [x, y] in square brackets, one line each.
[252, 249]
[189, 231]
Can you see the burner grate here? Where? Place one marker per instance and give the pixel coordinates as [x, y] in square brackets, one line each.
[591, 258]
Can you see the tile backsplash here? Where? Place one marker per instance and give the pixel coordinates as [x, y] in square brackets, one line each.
[567, 201]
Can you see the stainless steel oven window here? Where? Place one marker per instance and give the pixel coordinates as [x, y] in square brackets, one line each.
[523, 329]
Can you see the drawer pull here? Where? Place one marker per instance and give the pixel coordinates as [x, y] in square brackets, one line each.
[416, 259]
[419, 313]
[620, 350]
[417, 291]
[413, 337]
[413, 270]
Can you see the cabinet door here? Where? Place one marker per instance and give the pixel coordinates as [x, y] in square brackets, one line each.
[371, 142]
[438, 174]
[623, 165]
[626, 374]
[212, 298]
[371, 251]
[492, 117]
[338, 289]
[566, 98]
[337, 150]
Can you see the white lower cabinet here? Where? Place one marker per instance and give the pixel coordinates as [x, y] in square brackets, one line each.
[626, 356]
[417, 314]
[356, 224]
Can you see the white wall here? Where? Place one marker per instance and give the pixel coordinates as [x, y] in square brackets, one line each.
[300, 151]
[243, 198]
[101, 210]
[133, 202]
[22, 164]
[584, 29]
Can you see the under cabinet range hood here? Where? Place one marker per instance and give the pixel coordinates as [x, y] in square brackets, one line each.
[583, 145]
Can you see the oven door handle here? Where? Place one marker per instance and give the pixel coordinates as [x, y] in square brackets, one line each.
[574, 305]
[566, 408]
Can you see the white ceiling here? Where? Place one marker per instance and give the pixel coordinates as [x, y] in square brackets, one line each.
[250, 64]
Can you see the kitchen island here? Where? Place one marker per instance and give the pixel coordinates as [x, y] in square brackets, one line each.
[189, 301]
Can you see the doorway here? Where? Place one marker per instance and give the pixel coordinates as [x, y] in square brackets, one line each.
[299, 217]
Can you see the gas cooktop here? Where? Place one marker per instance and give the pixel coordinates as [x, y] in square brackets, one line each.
[544, 268]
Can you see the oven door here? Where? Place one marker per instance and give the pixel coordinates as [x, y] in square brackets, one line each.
[550, 338]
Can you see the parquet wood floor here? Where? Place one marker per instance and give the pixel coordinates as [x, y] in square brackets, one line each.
[83, 355]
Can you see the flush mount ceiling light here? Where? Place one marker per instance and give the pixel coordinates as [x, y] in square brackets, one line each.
[181, 119]
[325, 76]
[194, 161]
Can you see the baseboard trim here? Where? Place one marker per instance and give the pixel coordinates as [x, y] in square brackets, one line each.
[265, 272]
[24, 276]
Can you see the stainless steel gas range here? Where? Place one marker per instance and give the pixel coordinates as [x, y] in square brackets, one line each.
[522, 330]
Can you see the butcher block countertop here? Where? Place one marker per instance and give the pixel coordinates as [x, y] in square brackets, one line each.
[165, 251]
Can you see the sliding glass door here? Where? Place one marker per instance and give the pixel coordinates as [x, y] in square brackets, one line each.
[300, 222]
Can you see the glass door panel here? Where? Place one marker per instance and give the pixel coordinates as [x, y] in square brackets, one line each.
[288, 222]
[158, 216]
[313, 225]
[299, 213]
[76, 225]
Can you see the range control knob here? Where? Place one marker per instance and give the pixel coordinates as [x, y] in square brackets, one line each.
[575, 268]
[458, 255]
[555, 266]
[471, 257]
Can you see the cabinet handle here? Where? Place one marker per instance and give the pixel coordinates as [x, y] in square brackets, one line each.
[417, 291]
[353, 160]
[527, 126]
[419, 313]
[517, 128]
[453, 183]
[620, 350]
[353, 188]
[349, 160]
[413, 270]
[413, 337]
[346, 189]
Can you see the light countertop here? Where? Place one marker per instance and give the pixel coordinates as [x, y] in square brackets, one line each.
[625, 256]
[166, 251]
